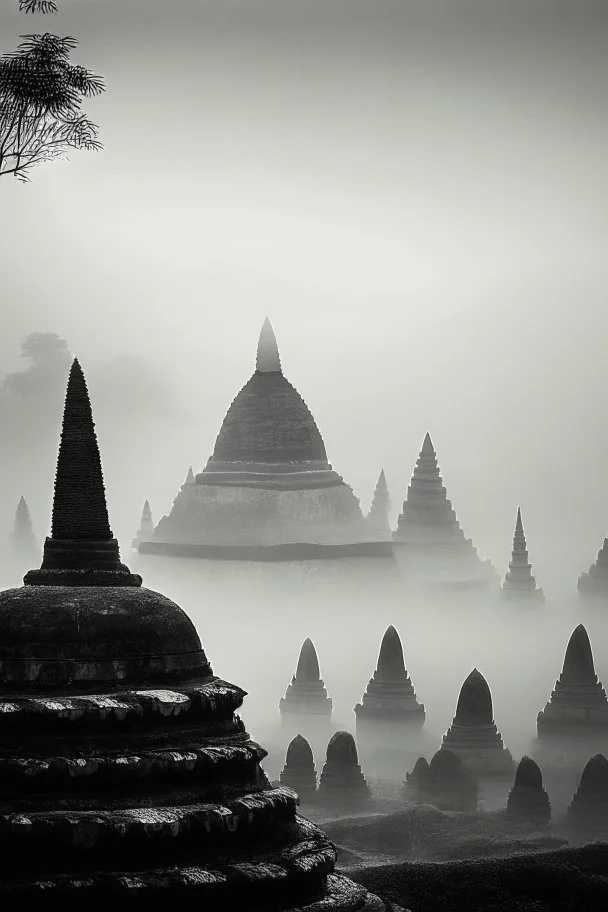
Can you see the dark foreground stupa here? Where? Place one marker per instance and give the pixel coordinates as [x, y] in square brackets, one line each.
[594, 582]
[519, 584]
[429, 540]
[528, 801]
[268, 492]
[578, 706]
[473, 735]
[125, 771]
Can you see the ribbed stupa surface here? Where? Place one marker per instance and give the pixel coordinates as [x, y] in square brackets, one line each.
[390, 695]
[595, 581]
[519, 579]
[473, 735]
[307, 694]
[124, 766]
[578, 702]
[528, 801]
[342, 781]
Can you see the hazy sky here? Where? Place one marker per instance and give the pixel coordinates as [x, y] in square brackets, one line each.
[414, 192]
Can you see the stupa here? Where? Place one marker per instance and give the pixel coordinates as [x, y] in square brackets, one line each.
[24, 546]
[473, 734]
[528, 801]
[125, 770]
[299, 772]
[268, 491]
[589, 807]
[146, 527]
[342, 782]
[189, 476]
[378, 516]
[307, 694]
[595, 582]
[578, 704]
[418, 785]
[519, 584]
[452, 787]
[429, 539]
[390, 700]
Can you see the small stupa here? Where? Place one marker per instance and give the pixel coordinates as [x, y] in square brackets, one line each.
[146, 526]
[378, 516]
[299, 772]
[124, 765]
[589, 806]
[189, 477]
[452, 786]
[268, 492]
[595, 582]
[528, 800]
[342, 782]
[390, 700]
[578, 704]
[418, 785]
[307, 694]
[429, 540]
[473, 734]
[24, 546]
[519, 584]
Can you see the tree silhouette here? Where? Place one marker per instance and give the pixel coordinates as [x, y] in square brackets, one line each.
[41, 94]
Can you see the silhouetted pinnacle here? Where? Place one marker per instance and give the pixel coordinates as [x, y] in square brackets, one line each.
[189, 476]
[342, 749]
[267, 360]
[308, 663]
[81, 550]
[595, 775]
[391, 666]
[299, 754]
[146, 513]
[528, 774]
[578, 662]
[421, 774]
[518, 523]
[475, 701]
[427, 446]
[23, 521]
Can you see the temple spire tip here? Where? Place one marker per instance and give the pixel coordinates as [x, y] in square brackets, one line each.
[267, 360]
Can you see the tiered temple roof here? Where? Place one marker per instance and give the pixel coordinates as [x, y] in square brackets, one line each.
[390, 696]
[378, 515]
[342, 782]
[595, 581]
[24, 546]
[578, 704]
[268, 491]
[146, 526]
[519, 582]
[307, 694]
[473, 734]
[299, 772]
[528, 801]
[124, 764]
[432, 544]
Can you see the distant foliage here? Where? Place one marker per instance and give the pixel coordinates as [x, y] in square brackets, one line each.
[50, 361]
[40, 97]
[37, 6]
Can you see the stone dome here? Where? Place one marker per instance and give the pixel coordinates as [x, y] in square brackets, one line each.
[475, 701]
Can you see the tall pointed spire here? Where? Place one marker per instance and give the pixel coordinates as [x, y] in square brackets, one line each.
[519, 582]
[23, 541]
[146, 526]
[378, 514]
[307, 694]
[427, 446]
[81, 550]
[308, 663]
[268, 360]
[189, 476]
[473, 734]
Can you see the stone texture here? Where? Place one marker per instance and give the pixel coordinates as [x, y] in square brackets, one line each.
[124, 767]
[146, 527]
[299, 772]
[528, 801]
[594, 583]
[390, 696]
[578, 704]
[473, 735]
[589, 806]
[429, 539]
[268, 491]
[306, 695]
[342, 782]
[519, 584]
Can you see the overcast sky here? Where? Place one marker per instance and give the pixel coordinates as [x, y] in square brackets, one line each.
[414, 192]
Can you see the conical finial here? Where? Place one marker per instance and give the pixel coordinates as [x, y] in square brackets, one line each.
[379, 510]
[81, 550]
[427, 446]
[391, 666]
[519, 527]
[578, 662]
[308, 663]
[189, 476]
[528, 774]
[146, 513]
[268, 359]
[475, 701]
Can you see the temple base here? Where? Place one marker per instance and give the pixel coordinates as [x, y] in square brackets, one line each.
[296, 551]
[511, 594]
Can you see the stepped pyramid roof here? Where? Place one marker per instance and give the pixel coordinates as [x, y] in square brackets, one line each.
[519, 581]
[595, 581]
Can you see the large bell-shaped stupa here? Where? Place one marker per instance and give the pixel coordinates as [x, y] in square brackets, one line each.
[268, 491]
